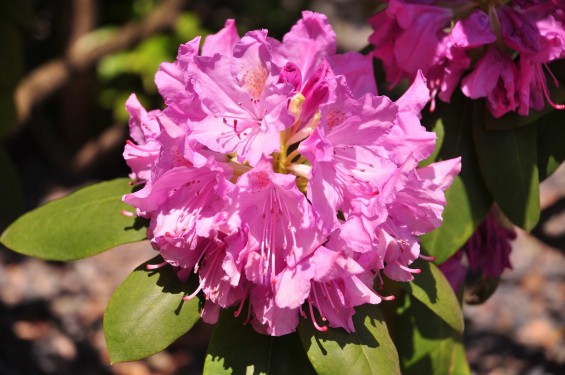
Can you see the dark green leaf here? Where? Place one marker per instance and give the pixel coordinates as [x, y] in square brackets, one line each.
[147, 313]
[468, 199]
[236, 348]
[551, 134]
[425, 343]
[369, 350]
[11, 195]
[508, 163]
[79, 225]
[432, 289]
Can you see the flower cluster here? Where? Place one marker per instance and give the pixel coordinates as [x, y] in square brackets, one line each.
[278, 176]
[497, 49]
[488, 251]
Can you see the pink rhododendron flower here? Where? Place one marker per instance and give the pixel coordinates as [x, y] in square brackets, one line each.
[492, 49]
[279, 176]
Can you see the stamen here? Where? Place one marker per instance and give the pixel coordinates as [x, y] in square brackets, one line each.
[319, 328]
[328, 296]
[189, 297]
[238, 311]
[541, 77]
[318, 304]
[151, 267]
[381, 281]
[410, 270]
[248, 318]
[127, 213]
[426, 257]
[555, 80]
[386, 298]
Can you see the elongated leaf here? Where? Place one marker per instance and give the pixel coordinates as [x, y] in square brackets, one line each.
[551, 152]
[79, 225]
[236, 348]
[508, 163]
[468, 199]
[425, 343]
[432, 289]
[147, 313]
[369, 350]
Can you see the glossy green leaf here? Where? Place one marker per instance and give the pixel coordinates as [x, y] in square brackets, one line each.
[11, 194]
[551, 151]
[147, 313]
[468, 199]
[79, 225]
[236, 348]
[369, 350]
[432, 289]
[425, 343]
[508, 163]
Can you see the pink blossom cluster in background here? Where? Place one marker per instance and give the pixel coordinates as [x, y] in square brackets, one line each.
[487, 251]
[279, 176]
[498, 50]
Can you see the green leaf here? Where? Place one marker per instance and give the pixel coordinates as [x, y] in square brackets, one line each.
[508, 163]
[147, 313]
[79, 225]
[369, 350]
[468, 199]
[551, 134]
[11, 195]
[425, 343]
[432, 289]
[236, 348]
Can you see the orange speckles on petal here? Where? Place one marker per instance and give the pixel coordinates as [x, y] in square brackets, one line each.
[335, 117]
[253, 81]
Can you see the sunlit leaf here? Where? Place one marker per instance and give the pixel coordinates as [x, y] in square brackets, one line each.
[468, 199]
[369, 350]
[236, 348]
[147, 313]
[77, 226]
[425, 343]
[432, 289]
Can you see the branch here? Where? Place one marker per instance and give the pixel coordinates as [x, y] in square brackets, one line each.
[43, 81]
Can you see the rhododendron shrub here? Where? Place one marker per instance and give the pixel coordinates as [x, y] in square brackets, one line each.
[303, 213]
[496, 78]
[279, 176]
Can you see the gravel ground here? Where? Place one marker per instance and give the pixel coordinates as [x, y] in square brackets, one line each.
[51, 313]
